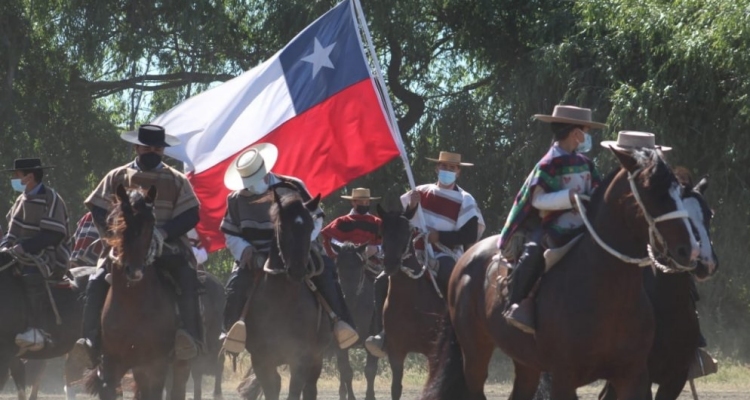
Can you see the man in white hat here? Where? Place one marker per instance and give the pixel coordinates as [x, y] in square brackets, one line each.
[454, 222]
[543, 212]
[359, 226]
[249, 232]
[176, 212]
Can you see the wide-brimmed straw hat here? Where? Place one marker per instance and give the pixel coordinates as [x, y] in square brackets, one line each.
[27, 164]
[251, 166]
[150, 135]
[571, 115]
[633, 140]
[450, 158]
[360, 194]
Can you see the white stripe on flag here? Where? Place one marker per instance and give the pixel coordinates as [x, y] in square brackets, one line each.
[219, 122]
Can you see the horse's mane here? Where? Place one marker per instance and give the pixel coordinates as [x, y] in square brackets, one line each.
[117, 219]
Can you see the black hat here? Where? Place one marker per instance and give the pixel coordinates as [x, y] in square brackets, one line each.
[27, 164]
[150, 135]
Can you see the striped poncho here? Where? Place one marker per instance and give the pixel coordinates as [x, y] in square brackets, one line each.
[557, 172]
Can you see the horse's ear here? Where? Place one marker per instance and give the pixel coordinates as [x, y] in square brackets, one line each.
[380, 210]
[361, 248]
[336, 248]
[702, 185]
[151, 195]
[626, 159]
[410, 211]
[122, 194]
[313, 204]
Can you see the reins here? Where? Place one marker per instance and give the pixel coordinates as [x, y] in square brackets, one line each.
[655, 237]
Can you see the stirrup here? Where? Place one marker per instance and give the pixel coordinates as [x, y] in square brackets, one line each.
[34, 339]
[375, 345]
[346, 336]
[185, 346]
[522, 316]
[83, 355]
[234, 342]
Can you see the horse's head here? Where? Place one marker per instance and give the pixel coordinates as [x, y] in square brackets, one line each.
[350, 255]
[652, 193]
[293, 226]
[131, 222]
[700, 219]
[351, 262]
[396, 238]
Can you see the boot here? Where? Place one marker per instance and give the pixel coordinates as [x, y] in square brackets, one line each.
[343, 326]
[376, 344]
[522, 307]
[237, 290]
[86, 351]
[188, 338]
[37, 298]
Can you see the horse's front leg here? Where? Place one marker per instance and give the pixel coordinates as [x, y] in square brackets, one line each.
[180, 376]
[313, 374]
[346, 374]
[397, 372]
[371, 371]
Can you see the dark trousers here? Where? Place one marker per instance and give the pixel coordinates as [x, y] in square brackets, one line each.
[36, 298]
[327, 282]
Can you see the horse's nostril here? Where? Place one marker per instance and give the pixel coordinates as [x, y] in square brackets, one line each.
[683, 252]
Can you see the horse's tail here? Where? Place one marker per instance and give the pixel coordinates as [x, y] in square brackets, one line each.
[93, 383]
[446, 380]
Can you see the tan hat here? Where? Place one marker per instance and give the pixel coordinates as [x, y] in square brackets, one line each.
[450, 158]
[631, 140]
[360, 194]
[571, 115]
[251, 166]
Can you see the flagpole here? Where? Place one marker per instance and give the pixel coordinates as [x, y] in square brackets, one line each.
[395, 132]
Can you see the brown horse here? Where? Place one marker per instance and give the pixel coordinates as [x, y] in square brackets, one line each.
[284, 323]
[593, 319]
[356, 278]
[413, 308]
[139, 322]
[677, 332]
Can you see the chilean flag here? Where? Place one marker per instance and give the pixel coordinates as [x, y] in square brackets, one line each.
[316, 100]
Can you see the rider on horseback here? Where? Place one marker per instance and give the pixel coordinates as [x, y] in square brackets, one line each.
[454, 223]
[176, 213]
[548, 194]
[249, 232]
[359, 226]
[37, 238]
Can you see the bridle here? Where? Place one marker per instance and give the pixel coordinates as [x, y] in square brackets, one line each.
[655, 236]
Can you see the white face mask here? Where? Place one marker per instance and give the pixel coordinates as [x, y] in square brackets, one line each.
[585, 146]
[446, 177]
[258, 188]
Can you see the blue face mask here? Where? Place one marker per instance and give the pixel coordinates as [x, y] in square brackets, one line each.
[17, 185]
[585, 146]
[446, 177]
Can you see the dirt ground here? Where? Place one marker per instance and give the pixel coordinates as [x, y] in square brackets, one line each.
[328, 391]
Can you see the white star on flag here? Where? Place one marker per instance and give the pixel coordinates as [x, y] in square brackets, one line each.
[320, 57]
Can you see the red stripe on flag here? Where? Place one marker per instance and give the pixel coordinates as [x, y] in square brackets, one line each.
[342, 138]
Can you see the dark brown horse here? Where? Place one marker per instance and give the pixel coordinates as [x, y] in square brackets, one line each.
[284, 322]
[593, 319]
[677, 333]
[356, 277]
[413, 308]
[139, 321]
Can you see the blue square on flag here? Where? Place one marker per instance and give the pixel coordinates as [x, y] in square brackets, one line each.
[324, 59]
